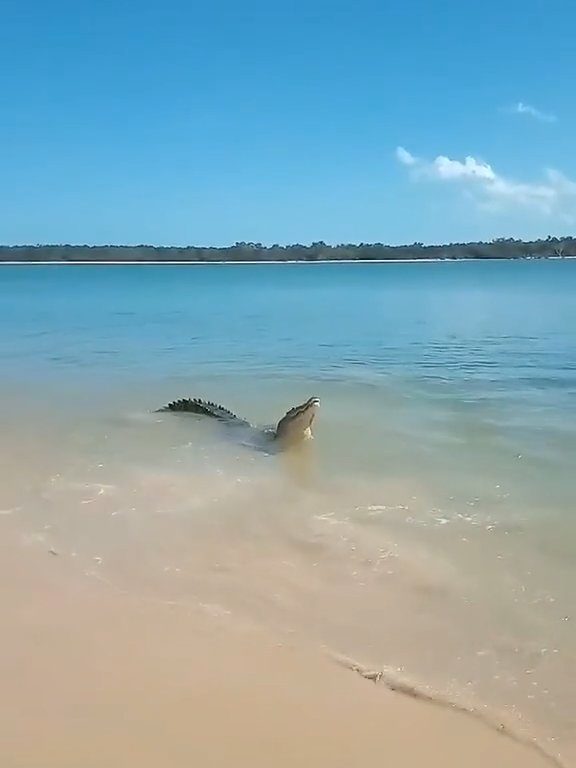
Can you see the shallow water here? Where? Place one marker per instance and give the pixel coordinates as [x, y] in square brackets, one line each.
[428, 528]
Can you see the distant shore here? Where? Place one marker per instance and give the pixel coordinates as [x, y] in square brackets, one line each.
[182, 263]
[257, 253]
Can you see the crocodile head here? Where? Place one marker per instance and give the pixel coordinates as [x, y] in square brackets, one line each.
[296, 425]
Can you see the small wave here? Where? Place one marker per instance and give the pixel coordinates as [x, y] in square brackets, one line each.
[398, 684]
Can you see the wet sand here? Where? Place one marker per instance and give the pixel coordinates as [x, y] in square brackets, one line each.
[96, 678]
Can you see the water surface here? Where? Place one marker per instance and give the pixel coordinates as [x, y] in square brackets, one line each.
[430, 526]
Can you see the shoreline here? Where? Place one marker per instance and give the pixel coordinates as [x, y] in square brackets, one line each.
[273, 261]
[96, 676]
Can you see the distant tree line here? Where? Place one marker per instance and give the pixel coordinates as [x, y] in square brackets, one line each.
[501, 248]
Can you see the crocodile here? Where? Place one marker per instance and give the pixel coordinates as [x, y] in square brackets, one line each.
[293, 428]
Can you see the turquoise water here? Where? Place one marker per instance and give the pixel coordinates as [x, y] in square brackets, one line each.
[447, 354]
[434, 521]
[487, 327]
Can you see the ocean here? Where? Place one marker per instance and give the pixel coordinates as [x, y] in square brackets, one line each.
[428, 530]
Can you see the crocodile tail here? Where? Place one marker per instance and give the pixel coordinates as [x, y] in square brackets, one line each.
[202, 408]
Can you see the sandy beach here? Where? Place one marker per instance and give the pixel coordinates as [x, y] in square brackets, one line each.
[99, 679]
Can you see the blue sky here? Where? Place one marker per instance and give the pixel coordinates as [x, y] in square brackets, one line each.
[206, 123]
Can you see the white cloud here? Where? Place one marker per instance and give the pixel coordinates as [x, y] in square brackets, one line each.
[554, 194]
[445, 168]
[405, 157]
[520, 108]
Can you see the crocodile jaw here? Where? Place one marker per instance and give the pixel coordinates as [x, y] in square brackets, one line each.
[296, 425]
